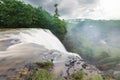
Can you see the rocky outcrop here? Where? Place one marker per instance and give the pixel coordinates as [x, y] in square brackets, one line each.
[64, 63]
[14, 59]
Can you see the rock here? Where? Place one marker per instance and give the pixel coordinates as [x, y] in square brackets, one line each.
[25, 52]
[67, 63]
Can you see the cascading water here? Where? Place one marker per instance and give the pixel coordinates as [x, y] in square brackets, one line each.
[23, 46]
[37, 36]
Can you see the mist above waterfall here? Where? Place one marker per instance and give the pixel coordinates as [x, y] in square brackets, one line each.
[95, 34]
[96, 41]
[24, 47]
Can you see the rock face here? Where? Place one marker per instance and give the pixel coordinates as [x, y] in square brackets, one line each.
[17, 51]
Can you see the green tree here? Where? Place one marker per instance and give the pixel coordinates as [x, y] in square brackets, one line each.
[17, 14]
[56, 11]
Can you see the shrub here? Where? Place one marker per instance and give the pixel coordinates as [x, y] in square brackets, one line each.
[77, 76]
[45, 65]
[40, 74]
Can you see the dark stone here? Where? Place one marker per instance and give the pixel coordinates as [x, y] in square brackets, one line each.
[84, 66]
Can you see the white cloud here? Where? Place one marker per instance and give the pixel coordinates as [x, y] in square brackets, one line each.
[111, 8]
[95, 9]
[78, 8]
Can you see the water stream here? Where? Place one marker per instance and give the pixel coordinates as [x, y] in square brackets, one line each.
[19, 47]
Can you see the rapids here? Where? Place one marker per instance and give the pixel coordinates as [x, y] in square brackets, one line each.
[21, 47]
[37, 36]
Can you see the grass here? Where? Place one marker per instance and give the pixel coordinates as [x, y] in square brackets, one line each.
[45, 65]
[41, 74]
[77, 76]
[42, 71]
[83, 76]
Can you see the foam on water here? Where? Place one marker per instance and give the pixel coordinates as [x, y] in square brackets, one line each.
[23, 46]
[37, 36]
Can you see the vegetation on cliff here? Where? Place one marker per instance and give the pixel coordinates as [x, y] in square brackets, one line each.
[17, 14]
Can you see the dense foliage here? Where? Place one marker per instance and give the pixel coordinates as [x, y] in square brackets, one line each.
[17, 14]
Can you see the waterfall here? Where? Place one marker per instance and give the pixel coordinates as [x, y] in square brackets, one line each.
[21, 47]
[37, 36]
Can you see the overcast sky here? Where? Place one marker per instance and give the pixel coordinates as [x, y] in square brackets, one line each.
[70, 9]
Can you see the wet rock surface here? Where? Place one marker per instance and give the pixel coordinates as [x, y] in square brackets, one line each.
[64, 63]
[20, 50]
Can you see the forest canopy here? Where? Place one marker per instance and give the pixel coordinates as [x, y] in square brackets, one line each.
[17, 14]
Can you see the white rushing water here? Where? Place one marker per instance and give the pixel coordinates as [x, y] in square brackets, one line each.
[37, 36]
[19, 47]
